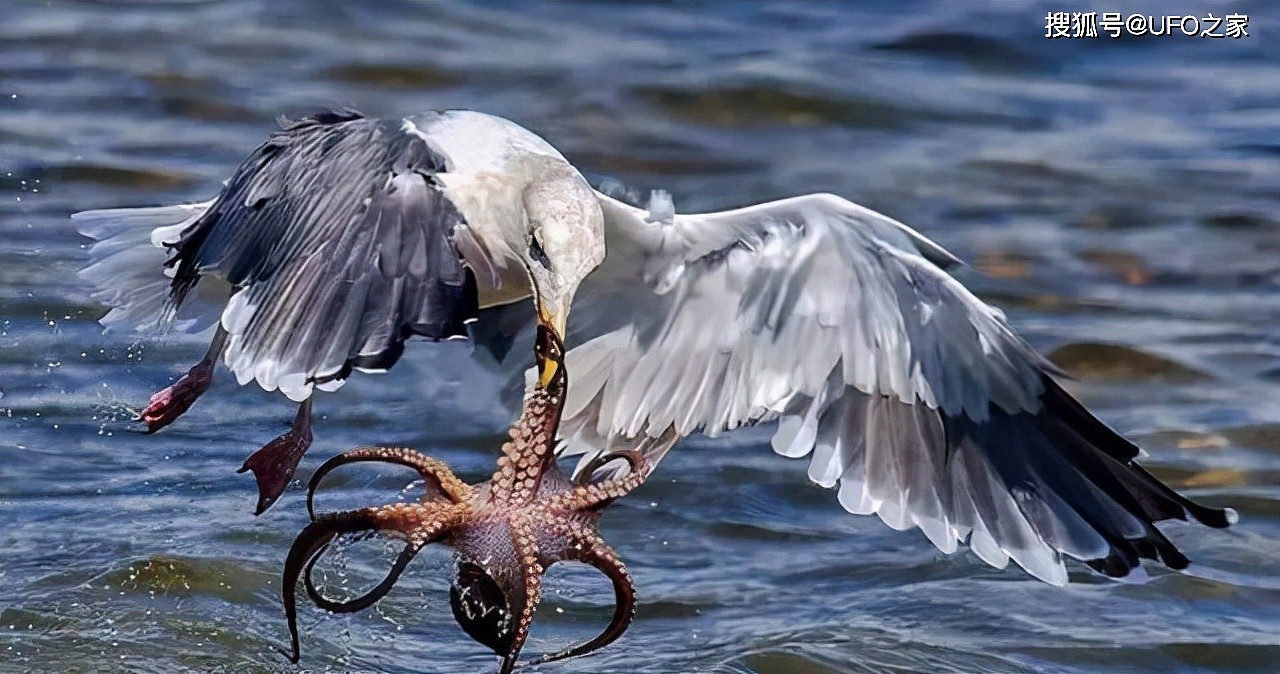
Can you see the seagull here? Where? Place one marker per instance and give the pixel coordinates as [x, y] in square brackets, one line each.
[342, 236]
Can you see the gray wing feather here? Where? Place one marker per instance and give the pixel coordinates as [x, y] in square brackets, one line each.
[761, 304]
[909, 393]
[340, 248]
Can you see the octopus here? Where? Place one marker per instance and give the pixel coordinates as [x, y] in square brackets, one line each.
[505, 532]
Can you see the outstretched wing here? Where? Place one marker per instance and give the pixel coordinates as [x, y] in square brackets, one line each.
[337, 245]
[907, 390]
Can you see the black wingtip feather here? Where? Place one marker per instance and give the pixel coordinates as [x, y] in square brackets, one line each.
[1218, 518]
[1159, 501]
[1064, 455]
[1120, 563]
[1105, 458]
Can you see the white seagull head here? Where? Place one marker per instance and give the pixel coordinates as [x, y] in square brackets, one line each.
[564, 241]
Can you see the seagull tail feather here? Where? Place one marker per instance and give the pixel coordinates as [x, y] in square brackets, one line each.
[126, 267]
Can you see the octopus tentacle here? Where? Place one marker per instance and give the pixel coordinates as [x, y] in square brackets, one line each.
[594, 551]
[418, 523]
[531, 450]
[367, 599]
[434, 471]
[524, 604]
[524, 457]
[634, 458]
[590, 495]
[311, 541]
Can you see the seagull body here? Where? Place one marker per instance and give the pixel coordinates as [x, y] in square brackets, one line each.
[341, 236]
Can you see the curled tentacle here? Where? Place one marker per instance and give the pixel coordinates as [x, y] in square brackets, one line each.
[313, 539]
[420, 524]
[635, 463]
[587, 494]
[598, 554]
[435, 472]
[367, 599]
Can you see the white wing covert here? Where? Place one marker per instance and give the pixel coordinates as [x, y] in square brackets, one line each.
[907, 390]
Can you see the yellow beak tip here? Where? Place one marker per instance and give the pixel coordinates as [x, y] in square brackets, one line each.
[547, 373]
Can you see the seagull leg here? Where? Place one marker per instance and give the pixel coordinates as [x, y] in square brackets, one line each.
[172, 402]
[274, 464]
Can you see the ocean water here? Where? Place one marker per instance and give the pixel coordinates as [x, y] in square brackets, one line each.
[1117, 198]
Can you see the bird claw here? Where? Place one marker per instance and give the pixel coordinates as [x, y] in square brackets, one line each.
[169, 403]
[274, 464]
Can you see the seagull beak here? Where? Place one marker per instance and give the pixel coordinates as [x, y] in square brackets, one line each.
[551, 317]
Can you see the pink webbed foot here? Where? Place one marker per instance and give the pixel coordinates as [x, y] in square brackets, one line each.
[274, 464]
[172, 402]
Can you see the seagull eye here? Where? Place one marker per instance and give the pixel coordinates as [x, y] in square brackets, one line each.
[537, 253]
